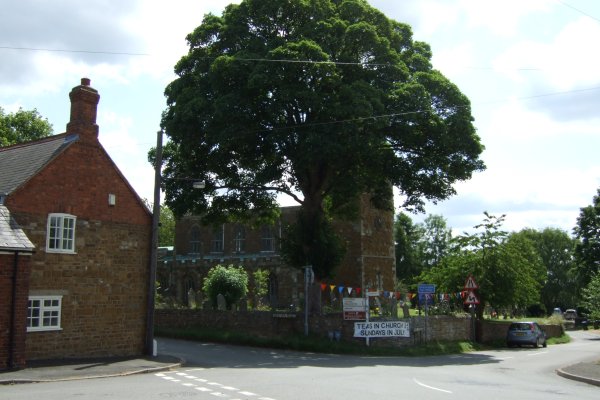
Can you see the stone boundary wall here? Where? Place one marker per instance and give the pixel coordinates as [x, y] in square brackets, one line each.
[268, 324]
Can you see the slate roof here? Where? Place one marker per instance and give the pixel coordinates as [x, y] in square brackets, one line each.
[20, 162]
[12, 237]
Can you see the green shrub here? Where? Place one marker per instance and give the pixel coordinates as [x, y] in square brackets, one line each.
[230, 281]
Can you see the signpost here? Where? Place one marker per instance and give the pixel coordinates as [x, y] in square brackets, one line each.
[354, 308]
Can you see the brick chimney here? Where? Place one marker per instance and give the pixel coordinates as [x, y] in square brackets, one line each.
[84, 103]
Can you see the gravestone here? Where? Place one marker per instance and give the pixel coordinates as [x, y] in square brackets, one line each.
[191, 298]
[394, 307]
[405, 310]
[221, 303]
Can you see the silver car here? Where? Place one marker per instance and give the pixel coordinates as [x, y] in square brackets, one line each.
[529, 333]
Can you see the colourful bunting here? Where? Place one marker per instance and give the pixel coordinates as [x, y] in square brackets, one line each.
[340, 289]
[323, 286]
[349, 290]
[331, 287]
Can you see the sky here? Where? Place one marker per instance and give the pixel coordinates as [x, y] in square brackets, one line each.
[530, 68]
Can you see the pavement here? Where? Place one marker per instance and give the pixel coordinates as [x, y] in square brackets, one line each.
[64, 370]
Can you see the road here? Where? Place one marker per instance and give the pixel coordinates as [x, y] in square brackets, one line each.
[230, 372]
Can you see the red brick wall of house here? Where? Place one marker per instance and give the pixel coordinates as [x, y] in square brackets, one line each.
[104, 285]
[7, 266]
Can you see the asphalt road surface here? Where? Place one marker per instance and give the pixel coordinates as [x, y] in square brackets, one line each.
[230, 372]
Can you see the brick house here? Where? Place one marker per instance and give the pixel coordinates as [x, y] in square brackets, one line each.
[369, 260]
[15, 256]
[88, 289]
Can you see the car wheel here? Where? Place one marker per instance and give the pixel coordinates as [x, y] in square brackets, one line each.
[537, 343]
[545, 344]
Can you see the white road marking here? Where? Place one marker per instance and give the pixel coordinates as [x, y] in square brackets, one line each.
[537, 354]
[210, 390]
[431, 387]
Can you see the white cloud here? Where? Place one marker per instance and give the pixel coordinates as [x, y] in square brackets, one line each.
[502, 18]
[565, 62]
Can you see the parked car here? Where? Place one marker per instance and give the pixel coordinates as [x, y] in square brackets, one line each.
[570, 314]
[529, 333]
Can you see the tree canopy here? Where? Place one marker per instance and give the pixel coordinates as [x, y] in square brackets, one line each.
[507, 267]
[22, 126]
[587, 251]
[320, 100]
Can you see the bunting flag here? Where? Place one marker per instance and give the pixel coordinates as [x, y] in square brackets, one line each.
[331, 287]
[412, 295]
[398, 295]
[323, 286]
[358, 291]
[349, 290]
[340, 289]
[386, 294]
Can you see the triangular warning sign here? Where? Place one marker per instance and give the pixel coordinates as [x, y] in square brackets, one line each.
[471, 298]
[470, 283]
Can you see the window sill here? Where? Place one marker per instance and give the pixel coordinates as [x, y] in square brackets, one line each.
[45, 329]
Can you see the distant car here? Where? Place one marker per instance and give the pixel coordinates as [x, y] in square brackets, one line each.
[528, 333]
[557, 311]
[570, 314]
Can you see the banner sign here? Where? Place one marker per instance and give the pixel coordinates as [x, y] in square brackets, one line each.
[382, 329]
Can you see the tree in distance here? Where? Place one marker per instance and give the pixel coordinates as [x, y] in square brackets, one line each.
[230, 282]
[319, 100]
[22, 126]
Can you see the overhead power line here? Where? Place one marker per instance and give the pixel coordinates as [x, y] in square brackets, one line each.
[578, 10]
[73, 51]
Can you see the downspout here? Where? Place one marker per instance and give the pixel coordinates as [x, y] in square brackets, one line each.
[13, 313]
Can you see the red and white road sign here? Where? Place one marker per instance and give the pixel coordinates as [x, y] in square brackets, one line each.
[470, 283]
[471, 298]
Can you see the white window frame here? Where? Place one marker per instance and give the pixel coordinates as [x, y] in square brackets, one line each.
[217, 244]
[44, 313]
[195, 240]
[267, 240]
[60, 233]
[239, 240]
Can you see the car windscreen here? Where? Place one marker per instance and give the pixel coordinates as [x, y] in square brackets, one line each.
[520, 327]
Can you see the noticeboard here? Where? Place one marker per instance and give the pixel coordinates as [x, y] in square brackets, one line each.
[354, 308]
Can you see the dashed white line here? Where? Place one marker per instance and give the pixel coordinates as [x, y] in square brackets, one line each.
[211, 386]
[431, 387]
[537, 354]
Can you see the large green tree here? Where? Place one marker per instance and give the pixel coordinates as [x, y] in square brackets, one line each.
[435, 240]
[556, 249]
[591, 297]
[407, 237]
[587, 251]
[22, 126]
[506, 266]
[321, 100]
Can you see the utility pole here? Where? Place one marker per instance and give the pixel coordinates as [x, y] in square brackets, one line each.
[150, 350]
